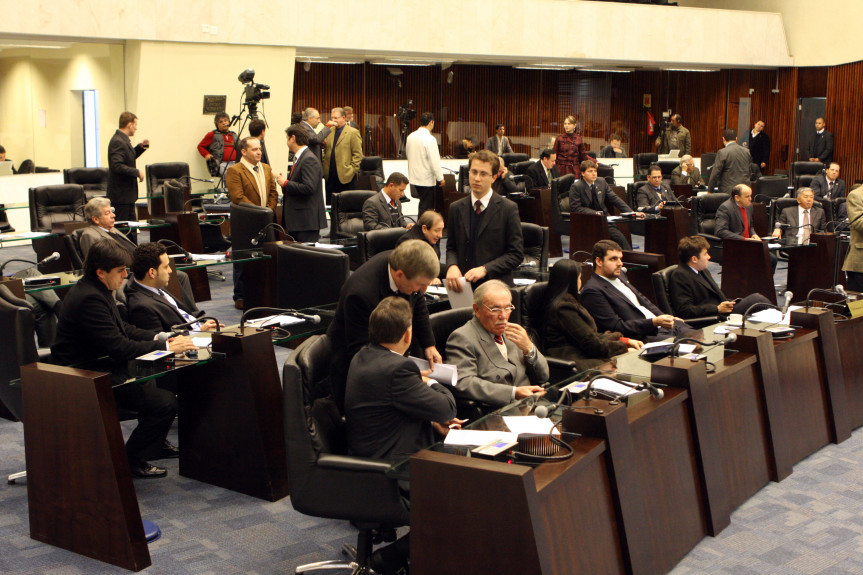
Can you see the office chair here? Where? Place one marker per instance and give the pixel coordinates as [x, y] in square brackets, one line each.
[535, 245]
[661, 284]
[513, 158]
[560, 205]
[606, 172]
[326, 481]
[157, 176]
[94, 180]
[346, 213]
[443, 323]
[640, 163]
[246, 221]
[27, 167]
[519, 168]
[463, 179]
[374, 242]
[704, 207]
[308, 276]
[802, 173]
[373, 166]
[707, 161]
[771, 187]
[57, 203]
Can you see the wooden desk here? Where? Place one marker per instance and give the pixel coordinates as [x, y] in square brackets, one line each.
[536, 209]
[814, 267]
[185, 230]
[747, 269]
[662, 236]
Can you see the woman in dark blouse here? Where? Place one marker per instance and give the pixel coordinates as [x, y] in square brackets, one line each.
[429, 227]
[570, 149]
[570, 331]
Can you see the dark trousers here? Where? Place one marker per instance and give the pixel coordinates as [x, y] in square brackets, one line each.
[426, 198]
[617, 236]
[238, 281]
[124, 212]
[334, 186]
[306, 236]
[156, 411]
[855, 281]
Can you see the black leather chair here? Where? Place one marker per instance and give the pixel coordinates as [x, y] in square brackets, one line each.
[532, 307]
[663, 298]
[560, 216]
[160, 174]
[640, 163]
[535, 245]
[463, 179]
[346, 213]
[310, 276]
[780, 204]
[373, 166]
[802, 173]
[326, 481]
[607, 172]
[667, 166]
[73, 248]
[704, 207]
[94, 180]
[376, 241]
[27, 167]
[772, 187]
[246, 221]
[513, 158]
[519, 168]
[58, 203]
[707, 161]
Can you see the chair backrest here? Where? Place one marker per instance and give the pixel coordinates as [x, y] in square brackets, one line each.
[443, 323]
[513, 158]
[73, 248]
[536, 241]
[667, 166]
[707, 161]
[373, 165]
[347, 212]
[463, 179]
[803, 169]
[246, 221]
[158, 175]
[661, 282]
[640, 163]
[27, 167]
[607, 172]
[94, 180]
[58, 203]
[519, 168]
[310, 276]
[705, 211]
[560, 186]
[772, 186]
[19, 348]
[376, 241]
[533, 312]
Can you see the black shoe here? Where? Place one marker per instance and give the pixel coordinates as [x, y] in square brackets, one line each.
[169, 451]
[238, 303]
[146, 470]
[388, 563]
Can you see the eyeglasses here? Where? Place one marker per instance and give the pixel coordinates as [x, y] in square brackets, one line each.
[496, 310]
[477, 173]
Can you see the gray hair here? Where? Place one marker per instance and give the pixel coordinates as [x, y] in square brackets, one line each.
[310, 113]
[479, 293]
[93, 208]
[685, 160]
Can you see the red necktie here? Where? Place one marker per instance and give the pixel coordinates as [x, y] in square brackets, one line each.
[745, 222]
[291, 171]
[478, 207]
[498, 339]
[392, 203]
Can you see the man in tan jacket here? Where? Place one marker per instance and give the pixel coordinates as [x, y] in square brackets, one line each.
[343, 152]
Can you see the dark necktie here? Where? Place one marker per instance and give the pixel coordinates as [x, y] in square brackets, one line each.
[478, 207]
[392, 203]
[256, 169]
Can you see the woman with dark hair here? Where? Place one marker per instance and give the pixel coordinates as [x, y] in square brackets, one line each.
[429, 228]
[570, 149]
[570, 332]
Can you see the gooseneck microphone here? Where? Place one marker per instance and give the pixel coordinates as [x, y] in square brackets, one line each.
[315, 319]
[261, 234]
[167, 242]
[53, 257]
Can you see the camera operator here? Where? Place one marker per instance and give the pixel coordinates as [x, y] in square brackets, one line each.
[674, 137]
[217, 147]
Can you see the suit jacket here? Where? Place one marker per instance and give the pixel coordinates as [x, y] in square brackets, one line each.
[759, 147]
[348, 153]
[729, 223]
[303, 204]
[820, 186]
[854, 257]
[571, 334]
[379, 215]
[534, 176]
[505, 147]
[499, 244]
[147, 310]
[822, 147]
[647, 199]
[483, 374]
[584, 201]
[694, 294]
[730, 168]
[388, 407]
[612, 311]
[349, 331]
[91, 327]
[242, 186]
[790, 216]
[122, 173]
[608, 152]
[316, 139]
[94, 233]
[692, 178]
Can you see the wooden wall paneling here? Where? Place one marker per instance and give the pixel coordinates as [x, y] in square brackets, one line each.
[845, 118]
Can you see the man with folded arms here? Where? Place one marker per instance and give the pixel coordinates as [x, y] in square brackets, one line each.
[90, 327]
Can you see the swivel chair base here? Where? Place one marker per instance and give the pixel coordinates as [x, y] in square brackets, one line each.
[16, 476]
[334, 564]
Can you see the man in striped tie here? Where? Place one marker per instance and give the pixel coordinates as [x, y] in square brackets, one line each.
[384, 210]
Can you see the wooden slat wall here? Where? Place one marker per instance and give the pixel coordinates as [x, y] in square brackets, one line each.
[845, 118]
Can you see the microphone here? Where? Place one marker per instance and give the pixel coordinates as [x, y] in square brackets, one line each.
[841, 291]
[167, 242]
[316, 319]
[261, 234]
[53, 257]
[837, 290]
[654, 391]
[208, 181]
[450, 170]
[675, 349]
[529, 264]
[788, 296]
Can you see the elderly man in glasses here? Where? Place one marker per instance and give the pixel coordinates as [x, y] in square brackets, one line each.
[497, 362]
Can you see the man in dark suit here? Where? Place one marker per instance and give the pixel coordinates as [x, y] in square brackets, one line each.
[384, 209]
[693, 291]
[829, 185]
[311, 119]
[499, 143]
[541, 173]
[485, 240]
[343, 154]
[731, 166]
[406, 272]
[686, 173]
[497, 362]
[652, 195]
[591, 195]
[734, 217]
[821, 148]
[148, 304]
[90, 327]
[617, 306]
[758, 143]
[802, 220]
[305, 214]
[122, 188]
[614, 149]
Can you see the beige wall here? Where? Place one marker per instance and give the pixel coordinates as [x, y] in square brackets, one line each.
[819, 34]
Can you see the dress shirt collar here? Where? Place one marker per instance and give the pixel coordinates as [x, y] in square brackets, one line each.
[483, 200]
[156, 291]
[387, 199]
[729, 143]
[821, 131]
[249, 165]
[693, 269]
[393, 287]
[106, 229]
[300, 153]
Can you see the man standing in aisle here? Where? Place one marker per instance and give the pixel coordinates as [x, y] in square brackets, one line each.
[758, 143]
[424, 169]
[343, 152]
[821, 149]
[122, 188]
[304, 212]
[731, 166]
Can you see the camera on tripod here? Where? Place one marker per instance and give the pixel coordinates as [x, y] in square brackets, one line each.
[406, 112]
[253, 92]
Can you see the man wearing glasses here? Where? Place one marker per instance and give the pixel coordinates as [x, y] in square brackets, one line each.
[485, 240]
[497, 362]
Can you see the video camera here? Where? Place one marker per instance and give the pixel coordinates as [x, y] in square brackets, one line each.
[253, 92]
[406, 112]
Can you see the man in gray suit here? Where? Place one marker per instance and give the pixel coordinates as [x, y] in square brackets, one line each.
[802, 220]
[384, 210]
[652, 196]
[731, 166]
[499, 143]
[497, 362]
[734, 217]
[311, 121]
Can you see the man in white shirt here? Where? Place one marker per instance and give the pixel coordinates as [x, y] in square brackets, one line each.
[499, 143]
[424, 169]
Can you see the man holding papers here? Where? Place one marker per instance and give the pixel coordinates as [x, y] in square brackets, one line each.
[497, 363]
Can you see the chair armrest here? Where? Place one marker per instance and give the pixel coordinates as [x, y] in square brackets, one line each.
[349, 463]
[703, 321]
[711, 238]
[555, 363]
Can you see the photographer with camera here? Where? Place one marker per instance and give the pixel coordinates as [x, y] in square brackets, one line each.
[217, 147]
[674, 137]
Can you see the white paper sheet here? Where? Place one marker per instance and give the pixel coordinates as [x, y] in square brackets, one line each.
[437, 290]
[281, 319]
[477, 437]
[463, 299]
[216, 257]
[529, 424]
[328, 246]
[523, 281]
[444, 373]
